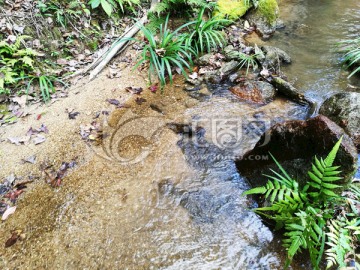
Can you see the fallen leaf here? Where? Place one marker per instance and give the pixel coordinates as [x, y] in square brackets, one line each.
[20, 100]
[44, 129]
[134, 90]
[153, 88]
[13, 195]
[30, 159]
[19, 29]
[140, 100]
[19, 140]
[8, 212]
[72, 63]
[39, 139]
[72, 115]
[61, 61]
[13, 238]
[113, 101]
[193, 76]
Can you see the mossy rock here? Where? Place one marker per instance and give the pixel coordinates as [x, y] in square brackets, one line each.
[269, 9]
[232, 9]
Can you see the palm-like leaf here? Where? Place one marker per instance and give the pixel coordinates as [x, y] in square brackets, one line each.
[323, 175]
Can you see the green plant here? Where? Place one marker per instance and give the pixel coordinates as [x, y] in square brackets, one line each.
[315, 217]
[205, 35]
[46, 84]
[14, 62]
[165, 52]
[166, 6]
[246, 60]
[351, 48]
[64, 11]
[17, 65]
[109, 6]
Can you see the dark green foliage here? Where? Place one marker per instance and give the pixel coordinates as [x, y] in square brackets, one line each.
[173, 6]
[204, 35]
[64, 11]
[154, 22]
[165, 52]
[15, 62]
[17, 65]
[351, 50]
[46, 85]
[311, 214]
[109, 6]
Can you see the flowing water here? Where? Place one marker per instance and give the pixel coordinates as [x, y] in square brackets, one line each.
[161, 190]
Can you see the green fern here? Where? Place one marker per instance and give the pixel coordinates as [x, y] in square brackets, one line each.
[339, 241]
[308, 214]
[323, 175]
[154, 22]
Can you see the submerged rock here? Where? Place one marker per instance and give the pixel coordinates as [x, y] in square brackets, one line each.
[254, 91]
[294, 144]
[344, 109]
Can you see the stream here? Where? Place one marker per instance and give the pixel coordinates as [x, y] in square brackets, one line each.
[162, 190]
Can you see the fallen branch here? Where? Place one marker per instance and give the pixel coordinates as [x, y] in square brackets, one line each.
[121, 43]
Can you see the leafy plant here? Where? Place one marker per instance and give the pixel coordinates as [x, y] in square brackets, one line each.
[166, 6]
[315, 217]
[64, 13]
[14, 62]
[109, 6]
[46, 84]
[164, 53]
[205, 35]
[246, 60]
[17, 65]
[351, 48]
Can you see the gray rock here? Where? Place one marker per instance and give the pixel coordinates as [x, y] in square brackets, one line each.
[277, 52]
[212, 77]
[294, 144]
[205, 60]
[263, 27]
[274, 57]
[344, 109]
[229, 67]
[222, 73]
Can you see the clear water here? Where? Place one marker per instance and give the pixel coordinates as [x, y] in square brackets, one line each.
[179, 206]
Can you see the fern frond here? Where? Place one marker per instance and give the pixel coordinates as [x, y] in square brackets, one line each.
[323, 174]
[339, 241]
[305, 231]
[329, 160]
[18, 41]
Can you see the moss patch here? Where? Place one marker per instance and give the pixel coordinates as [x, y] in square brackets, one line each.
[233, 9]
[269, 9]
